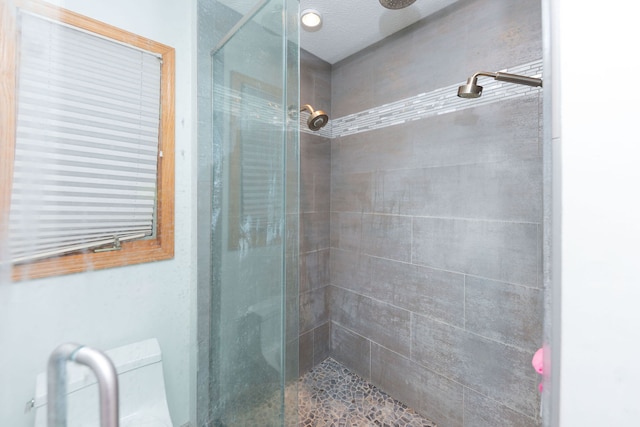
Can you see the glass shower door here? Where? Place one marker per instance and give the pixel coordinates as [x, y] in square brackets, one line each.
[254, 298]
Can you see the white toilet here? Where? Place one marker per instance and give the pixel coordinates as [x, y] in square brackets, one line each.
[143, 402]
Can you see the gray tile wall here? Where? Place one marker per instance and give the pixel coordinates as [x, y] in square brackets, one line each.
[435, 224]
[449, 46]
[315, 174]
[440, 101]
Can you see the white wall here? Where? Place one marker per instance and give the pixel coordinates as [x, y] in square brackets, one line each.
[118, 306]
[596, 103]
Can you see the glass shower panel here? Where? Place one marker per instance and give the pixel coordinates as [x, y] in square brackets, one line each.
[253, 348]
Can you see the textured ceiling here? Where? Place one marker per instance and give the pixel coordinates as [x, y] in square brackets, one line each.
[351, 25]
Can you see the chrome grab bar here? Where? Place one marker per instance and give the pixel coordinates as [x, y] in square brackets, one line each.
[104, 371]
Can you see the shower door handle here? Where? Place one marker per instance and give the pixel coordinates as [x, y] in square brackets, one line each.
[104, 371]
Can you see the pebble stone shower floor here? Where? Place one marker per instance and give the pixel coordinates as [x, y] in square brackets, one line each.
[332, 396]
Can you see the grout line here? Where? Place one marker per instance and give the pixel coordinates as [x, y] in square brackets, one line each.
[513, 346]
[452, 218]
[411, 332]
[535, 159]
[370, 357]
[464, 302]
[411, 248]
[428, 368]
[498, 402]
[539, 257]
[464, 395]
[458, 273]
[313, 346]
[519, 285]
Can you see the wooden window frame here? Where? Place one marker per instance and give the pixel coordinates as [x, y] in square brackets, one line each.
[135, 252]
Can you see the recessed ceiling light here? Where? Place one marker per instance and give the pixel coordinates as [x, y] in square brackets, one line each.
[311, 20]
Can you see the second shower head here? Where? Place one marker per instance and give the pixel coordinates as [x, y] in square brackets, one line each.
[317, 118]
[473, 90]
[396, 4]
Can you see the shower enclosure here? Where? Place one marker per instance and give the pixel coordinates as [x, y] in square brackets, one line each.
[248, 215]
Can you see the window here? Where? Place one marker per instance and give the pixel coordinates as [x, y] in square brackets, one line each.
[87, 148]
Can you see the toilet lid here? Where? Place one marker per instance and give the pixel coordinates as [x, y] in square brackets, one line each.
[144, 420]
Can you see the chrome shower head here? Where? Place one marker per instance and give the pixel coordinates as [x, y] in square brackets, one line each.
[396, 4]
[473, 90]
[317, 119]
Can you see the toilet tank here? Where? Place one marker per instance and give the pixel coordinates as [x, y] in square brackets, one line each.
[142, 396]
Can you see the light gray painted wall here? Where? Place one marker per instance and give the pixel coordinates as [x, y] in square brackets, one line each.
[595, 250]
[435, 226]
[117, 306]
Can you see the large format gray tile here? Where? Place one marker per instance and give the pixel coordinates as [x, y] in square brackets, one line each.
[314, 270]
[510, 191]
[433, 395]
[496, 35]
[481, 411]
[292, 361]
[315, 154]
[314, 309]
[351, 349]
[292, 230]
[322, 192]
[334, 235]
[346, 231]
[496, 250]
[314, 231]
[352, 84]
[514, 26]
[321, 343]
[504, 312]
[315, 81]
[306, 192]
[351, 270]
[382, 323]
[351, 192]
[501, 34]
[404, 69]
[305, 352]
[385, 148]
[435, 293]
[506, 130]
[387, 236]
[292, 320]
[499, 371]
[501, 131]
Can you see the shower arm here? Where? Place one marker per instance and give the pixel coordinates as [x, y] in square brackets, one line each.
[307, 107]
[506, 77]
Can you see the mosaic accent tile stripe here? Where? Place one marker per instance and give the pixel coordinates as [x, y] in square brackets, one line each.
[440, 101]
[423, 105]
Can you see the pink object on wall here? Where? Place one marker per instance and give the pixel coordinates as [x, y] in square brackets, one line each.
[538, 361]
[538, 364]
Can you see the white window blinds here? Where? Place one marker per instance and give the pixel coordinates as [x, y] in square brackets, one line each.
[86, 148]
